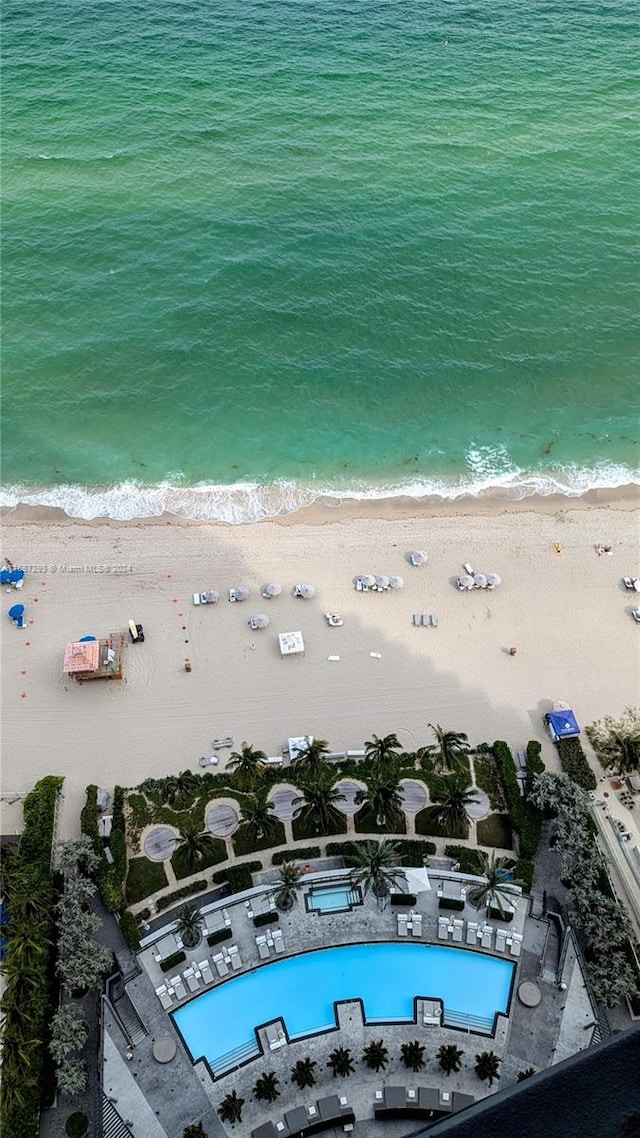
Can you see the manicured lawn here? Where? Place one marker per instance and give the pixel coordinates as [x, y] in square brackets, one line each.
[365, 822]
[216, 854]
[305, 832]
[243, 844]
[144, 878]
[426, 824]
[495, 831]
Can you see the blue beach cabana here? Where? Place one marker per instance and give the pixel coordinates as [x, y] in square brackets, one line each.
[562, 725]
[16, 614]
[13, 577]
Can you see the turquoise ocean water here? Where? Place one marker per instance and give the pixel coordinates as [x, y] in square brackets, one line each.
[259, 251]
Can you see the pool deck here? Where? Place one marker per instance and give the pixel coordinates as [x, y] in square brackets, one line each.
[536, 1037]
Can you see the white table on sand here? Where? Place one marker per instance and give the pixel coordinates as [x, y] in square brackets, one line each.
[222, 819]
[481, 807]
[160, 843]
[284, 797]
[414, 795]
[349, 787]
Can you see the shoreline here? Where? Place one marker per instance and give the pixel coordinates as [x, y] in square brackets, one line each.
[323, 510]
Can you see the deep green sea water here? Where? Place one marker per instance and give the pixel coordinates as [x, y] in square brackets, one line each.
[259, 250]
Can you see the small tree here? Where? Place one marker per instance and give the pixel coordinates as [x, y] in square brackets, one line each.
[266, 1087]
[612, 978]
[68, 1033]
[230, 1109]
[341, 1062]
[288, 886]
[375, 1055]
[450, 1057]
[381, 754]
[177, 789]
[248, 765]
[617, 741]
[448, 748]
[258, 821]
[376, 868]
[451, 796]
[496, 891]
[193, 844]
[188, 924]
[303, 1073]
[195, 1130]
[71, 1076]
[412, 1055]
[525, 1074]
[487, 1064]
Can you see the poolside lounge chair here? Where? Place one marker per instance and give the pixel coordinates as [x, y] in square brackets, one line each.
[235, 958]
[458, 929]
[178, 987]
[443, 928]
[417, 619]
[487, 936]
[416, 925]
[164, 997]
[425, 620]
[434, 620]
[501, 940]
[402, 922]
[516, 944]
[192, 980]
[207, 974]
[263, 947]
[472, 932]
[226, 918]
[278, 941]
[221, 967]
[431, 1013]
[275, 1036]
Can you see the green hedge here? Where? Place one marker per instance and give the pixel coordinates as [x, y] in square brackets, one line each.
[265, 919]
[244, 844]
[130, 930]
[237, 877]
[403, 899]
[524, 871]
[217, 938]
[496, 915]
[427, 823]
[118, 839]
[30, 995]
[305, 853]
[470, 861]
[410, 852]
[451, 903]
[526, 819]
[366, 822]
[305, 829]
[187, 891]
[574, 763]
[172, 961]
[107, 876]
[535, 765]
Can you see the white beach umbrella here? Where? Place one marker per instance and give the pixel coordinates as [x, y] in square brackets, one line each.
[418, 557]
[271, 590]
[241, 592]
[396, 582]
[465, 581]
[480, 581]
[259, 621]
[368, 580]
[493, 579]
[382, 582]
[304, 591]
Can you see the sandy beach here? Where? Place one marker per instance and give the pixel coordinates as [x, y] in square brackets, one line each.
[567, 613]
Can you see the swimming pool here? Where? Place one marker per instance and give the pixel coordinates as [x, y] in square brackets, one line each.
[333, 899]
[220, 1024]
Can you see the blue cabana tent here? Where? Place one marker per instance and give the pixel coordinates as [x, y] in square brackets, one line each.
[562, 725]
[11, 576]
[16, 614]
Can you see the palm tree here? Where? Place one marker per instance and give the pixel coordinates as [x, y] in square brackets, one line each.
[487, 1063]
[266, 1087]
[376, 867]
[303, 1073]
[258, 821]
[375, 1055]
[310, 759]
[383, 798]
[412, 1055]
[496, 891]
[448, 747]
[230, 1109]
[195, 1130]
[188, 924]
[624, 750]
[316, 805]
[288, 885]
[341, 1062]
[526, 1074]
[452, 795]
[248, 765]
[382, 753]
[193, 844]
[450, 1057]
[178, 787]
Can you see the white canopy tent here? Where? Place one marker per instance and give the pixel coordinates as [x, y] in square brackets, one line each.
[291, 644]
[417, 880]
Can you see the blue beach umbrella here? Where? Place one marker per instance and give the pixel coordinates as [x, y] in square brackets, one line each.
[85, 639]
[16, 614]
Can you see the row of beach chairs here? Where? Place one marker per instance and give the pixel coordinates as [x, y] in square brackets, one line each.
[409, 923]
[268, 941]
[480, 936]
[199, 976]
[423, 620]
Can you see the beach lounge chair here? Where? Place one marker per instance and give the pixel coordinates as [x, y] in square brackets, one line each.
[278, 941]
[196, 598]
[501, 940]
[178, 987]
[487, 936]
[275, 1036]
[472, 932]
[207, 974]
[417, 619]
[164, 997]
[192, 980]
[443, 928]
[221, 968]
[468, 570]
[226, 918]
[402, 924]
[416, 925]
[425, 620]
[263, 947]
[235, 958]
[632, 583]
[516, 944]
[458, 929]
[431, 1013]
[636, 615]
[434, 620]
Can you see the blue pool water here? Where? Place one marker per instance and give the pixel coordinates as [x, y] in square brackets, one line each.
[220, 1024]
[333, 899]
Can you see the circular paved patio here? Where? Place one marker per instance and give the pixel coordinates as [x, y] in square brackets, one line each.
[160, 843]
[481, 807]
[222, 819]
[349, 787]
[284, 798]
[414, 795]
[529, 994]
[164, 1049]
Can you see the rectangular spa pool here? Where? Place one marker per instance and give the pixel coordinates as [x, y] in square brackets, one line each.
[333, 899]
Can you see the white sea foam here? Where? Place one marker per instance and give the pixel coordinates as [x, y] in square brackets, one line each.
[250, 502]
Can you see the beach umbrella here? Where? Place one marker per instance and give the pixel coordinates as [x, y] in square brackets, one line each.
[304, 591]
[241, 593]
[271, 590]
[83, 639]
[493, 579]
[259, 621]
[480, 581]
[16, 576]
[382, 582]
[16, 611]
[368, 580]
[465, 582]
[396, 582]
[418, 557]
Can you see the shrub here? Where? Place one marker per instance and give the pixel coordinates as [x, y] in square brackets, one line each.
[187, 891]
[470, 861]
[77, 1125]
[410, 852]
[237, 877]
[525, 817]
[265, 919]
[403, 899]
[172, 961]
[451, 903]
[130, 930]
[496, 915]
[39, 811]
[574, 763]
[243, 843]
[107, 876]
[217, 938]
[303, 854]
[524, 872]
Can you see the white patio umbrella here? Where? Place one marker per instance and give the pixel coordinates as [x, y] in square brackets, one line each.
[418, 557]
[259, 621]
[367, 579]
[305, 591]
[382, 582]
[241, 592]
[480, 581]
[271, 590]
[465, 581]
[396, 582]
[493, 579]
